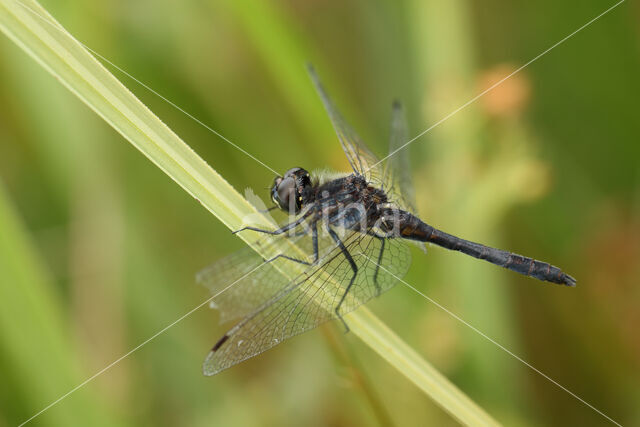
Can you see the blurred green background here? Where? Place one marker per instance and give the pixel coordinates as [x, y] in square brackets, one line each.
[98, 248]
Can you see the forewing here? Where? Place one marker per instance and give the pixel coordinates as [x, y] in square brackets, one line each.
[397, 172]
[361, 159]
[310, 299]
[395, 178]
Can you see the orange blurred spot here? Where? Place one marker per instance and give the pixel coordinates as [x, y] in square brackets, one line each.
[509, 97]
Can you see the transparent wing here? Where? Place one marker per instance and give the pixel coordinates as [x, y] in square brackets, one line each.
[240, 283]
[397, 172]
[361, 159]
[310, 299]
[243, 281]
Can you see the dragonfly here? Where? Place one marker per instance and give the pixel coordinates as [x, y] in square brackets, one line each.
[351, 231]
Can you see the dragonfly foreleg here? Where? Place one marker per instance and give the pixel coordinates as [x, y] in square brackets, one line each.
[281, 230]
[354, 267]
[314, 239]
[267, 210]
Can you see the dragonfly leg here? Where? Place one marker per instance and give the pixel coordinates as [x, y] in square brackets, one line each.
[354, 267]
[267, 209]
[314, 239]
[281, 230]
[375, 274]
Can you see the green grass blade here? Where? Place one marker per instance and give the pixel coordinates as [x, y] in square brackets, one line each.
[34, 334]
[56, 50]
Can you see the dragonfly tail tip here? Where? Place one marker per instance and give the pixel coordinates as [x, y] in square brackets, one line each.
[569, 281]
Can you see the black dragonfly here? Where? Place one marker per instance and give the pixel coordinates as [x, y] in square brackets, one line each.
[351, 230]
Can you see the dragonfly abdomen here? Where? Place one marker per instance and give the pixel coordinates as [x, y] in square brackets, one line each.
[414, 229]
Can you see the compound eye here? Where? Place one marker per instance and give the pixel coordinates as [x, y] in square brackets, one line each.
[286, 193]
[291, 172]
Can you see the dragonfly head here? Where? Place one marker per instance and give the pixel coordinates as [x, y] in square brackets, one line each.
[291, 191]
